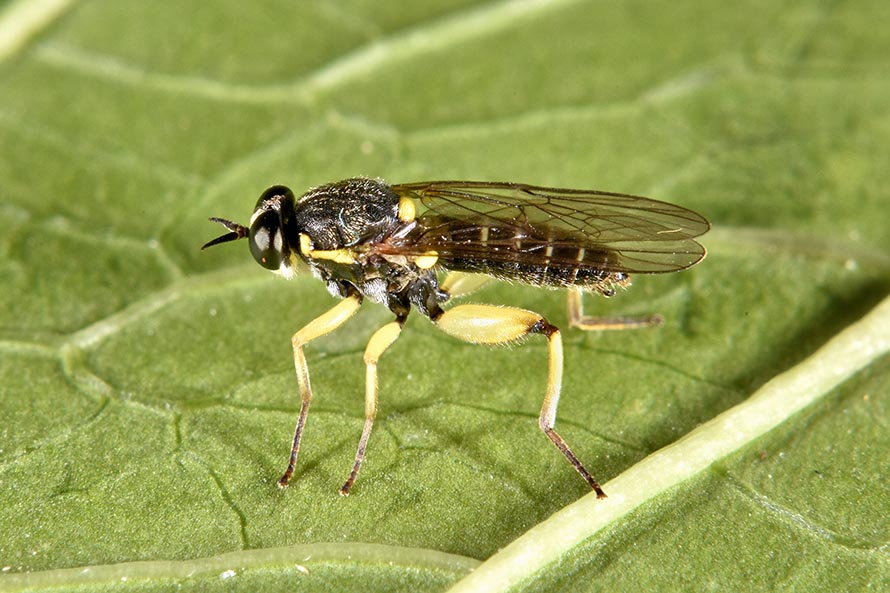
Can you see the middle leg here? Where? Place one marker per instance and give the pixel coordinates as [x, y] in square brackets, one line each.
[377, 345]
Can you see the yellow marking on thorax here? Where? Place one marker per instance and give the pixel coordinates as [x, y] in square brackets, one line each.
[340, 256]
[427, 260]
[407, 209]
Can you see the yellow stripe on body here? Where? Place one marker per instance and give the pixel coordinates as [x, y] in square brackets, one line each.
[340, 256]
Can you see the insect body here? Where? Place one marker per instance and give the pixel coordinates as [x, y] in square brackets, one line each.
[386, 243]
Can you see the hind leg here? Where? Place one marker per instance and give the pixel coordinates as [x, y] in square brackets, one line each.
[488, 324]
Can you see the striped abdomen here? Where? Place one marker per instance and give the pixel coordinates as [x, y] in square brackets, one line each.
[510, 254]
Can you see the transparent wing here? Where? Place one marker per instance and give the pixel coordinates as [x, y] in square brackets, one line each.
[508, 223]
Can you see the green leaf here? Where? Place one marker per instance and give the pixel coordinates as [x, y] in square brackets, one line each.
[147, 392]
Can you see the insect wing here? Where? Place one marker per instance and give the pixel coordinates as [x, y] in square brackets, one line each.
[563, 227]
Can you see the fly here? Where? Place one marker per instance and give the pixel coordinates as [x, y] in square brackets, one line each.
[366, 239]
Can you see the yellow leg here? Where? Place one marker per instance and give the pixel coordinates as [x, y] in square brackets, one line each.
[486, 324]
[581, 321]
[377, 345]
[316, 328]
[458, 284]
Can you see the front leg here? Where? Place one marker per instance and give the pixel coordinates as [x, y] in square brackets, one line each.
[488, 324]
[321, 325]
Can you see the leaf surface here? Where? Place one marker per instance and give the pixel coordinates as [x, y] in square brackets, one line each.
[147, 392]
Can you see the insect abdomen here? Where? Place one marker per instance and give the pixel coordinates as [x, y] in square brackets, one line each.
[537, 274]
[510, 256]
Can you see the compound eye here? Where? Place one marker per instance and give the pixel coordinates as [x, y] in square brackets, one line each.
[273, 211]
[266, 239]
